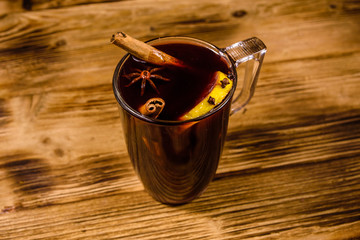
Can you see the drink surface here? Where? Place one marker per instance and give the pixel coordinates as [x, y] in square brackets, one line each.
[185, 88]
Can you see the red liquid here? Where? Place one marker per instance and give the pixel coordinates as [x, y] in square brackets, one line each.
[186, 87]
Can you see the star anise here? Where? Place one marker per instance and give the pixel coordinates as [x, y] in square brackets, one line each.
[145, 76]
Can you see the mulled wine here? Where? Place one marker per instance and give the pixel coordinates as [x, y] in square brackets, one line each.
[176, 151]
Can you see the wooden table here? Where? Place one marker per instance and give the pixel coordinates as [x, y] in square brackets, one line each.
[291, 164]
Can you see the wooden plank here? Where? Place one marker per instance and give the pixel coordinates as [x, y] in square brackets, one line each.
[290, 202]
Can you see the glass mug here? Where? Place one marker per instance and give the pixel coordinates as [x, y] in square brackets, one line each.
[176, 160]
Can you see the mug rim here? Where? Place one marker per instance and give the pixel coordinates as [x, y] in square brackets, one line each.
[140, 116]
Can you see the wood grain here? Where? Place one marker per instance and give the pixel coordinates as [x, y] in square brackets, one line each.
[47, 4]
[7, 6]
[290, 168]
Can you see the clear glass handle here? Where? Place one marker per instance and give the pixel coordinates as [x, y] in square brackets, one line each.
[251, 52]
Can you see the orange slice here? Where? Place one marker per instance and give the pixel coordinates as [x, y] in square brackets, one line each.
[216, 96]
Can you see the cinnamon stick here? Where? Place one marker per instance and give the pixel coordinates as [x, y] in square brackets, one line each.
[153, 107]
[144, 51]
